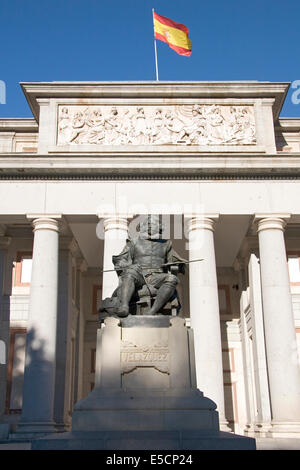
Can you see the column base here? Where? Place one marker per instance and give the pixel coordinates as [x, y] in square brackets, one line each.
[29, 430]
[249, 430]
[284, 429]
[224, 426]
[63, 427]
[262, 429]
[258, 430]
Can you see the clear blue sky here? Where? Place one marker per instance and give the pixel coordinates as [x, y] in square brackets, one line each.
[113, 40]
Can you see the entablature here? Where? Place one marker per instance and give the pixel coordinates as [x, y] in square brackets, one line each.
[151, 117]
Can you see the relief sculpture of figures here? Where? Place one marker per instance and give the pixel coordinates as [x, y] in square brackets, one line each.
[202, 125]
[240, 126]
[148, 270]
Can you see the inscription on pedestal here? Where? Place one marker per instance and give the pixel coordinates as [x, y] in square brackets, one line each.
[137, 355]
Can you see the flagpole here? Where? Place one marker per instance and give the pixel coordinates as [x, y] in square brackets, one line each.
[155, 50]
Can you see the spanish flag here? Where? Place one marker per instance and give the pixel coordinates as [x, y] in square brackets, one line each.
[174, 34]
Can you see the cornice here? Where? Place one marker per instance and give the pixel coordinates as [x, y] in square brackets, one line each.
[288, 125]
[231, 89]
[18, 125]
[34, 166]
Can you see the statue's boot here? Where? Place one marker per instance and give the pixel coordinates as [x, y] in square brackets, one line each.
[127, 291]
[123, 311]
[164, 293]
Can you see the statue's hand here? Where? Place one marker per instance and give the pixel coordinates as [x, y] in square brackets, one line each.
[174, 269]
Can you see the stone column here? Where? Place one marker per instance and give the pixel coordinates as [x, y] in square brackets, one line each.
[63, 340]
[39, 375]
[204, 311]
[4, 322]
[262, 416]
[80, 334]
[240, 267]
[279, 324]
[115, 235]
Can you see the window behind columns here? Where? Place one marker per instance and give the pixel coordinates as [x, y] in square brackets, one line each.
[15, 372]
[293, 259]
[18, 306]
[23, 268]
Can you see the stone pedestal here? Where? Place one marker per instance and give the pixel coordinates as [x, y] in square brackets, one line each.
[145, 380]
[145, 394]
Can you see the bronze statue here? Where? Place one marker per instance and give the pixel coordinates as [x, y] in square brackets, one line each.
[147, 264]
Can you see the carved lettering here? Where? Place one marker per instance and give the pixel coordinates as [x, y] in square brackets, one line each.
[133, 355]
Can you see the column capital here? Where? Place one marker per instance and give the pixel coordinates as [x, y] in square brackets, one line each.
[202, 222]
[43, 101]
[115, 222]
[267, 101]
[83, 266]
[45, 222]
[2, 230]
[276, 221]
[74, 249]
[4, 242]
[239, 263]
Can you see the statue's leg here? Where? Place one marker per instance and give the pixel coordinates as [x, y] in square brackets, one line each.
[165, 292]
[127, 291]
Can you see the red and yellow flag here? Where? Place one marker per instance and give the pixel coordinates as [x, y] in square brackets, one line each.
[174, 34]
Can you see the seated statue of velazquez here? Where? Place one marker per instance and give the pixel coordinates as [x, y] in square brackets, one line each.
[142, 263]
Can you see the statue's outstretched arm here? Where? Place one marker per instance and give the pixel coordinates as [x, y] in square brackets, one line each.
[174, 257]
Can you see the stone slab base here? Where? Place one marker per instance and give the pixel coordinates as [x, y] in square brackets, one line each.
[4, 430]
[28, 431]
[283, 430]
[144, 440]
[145, 410]
[15, 446]
[277, 444]
[27, 436]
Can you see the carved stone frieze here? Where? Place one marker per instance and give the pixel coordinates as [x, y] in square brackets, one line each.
[156, 125]
[144, 355]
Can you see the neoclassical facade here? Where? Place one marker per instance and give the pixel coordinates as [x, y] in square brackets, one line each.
[221, 167]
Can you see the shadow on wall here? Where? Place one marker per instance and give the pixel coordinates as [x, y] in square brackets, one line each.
[229, 390]
[16, 363]
[2, 352]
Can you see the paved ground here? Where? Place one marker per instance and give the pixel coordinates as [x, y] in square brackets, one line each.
[16, 446]
[278, 444]
[261, 444]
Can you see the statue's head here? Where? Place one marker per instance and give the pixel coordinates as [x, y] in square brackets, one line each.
[150, 226]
